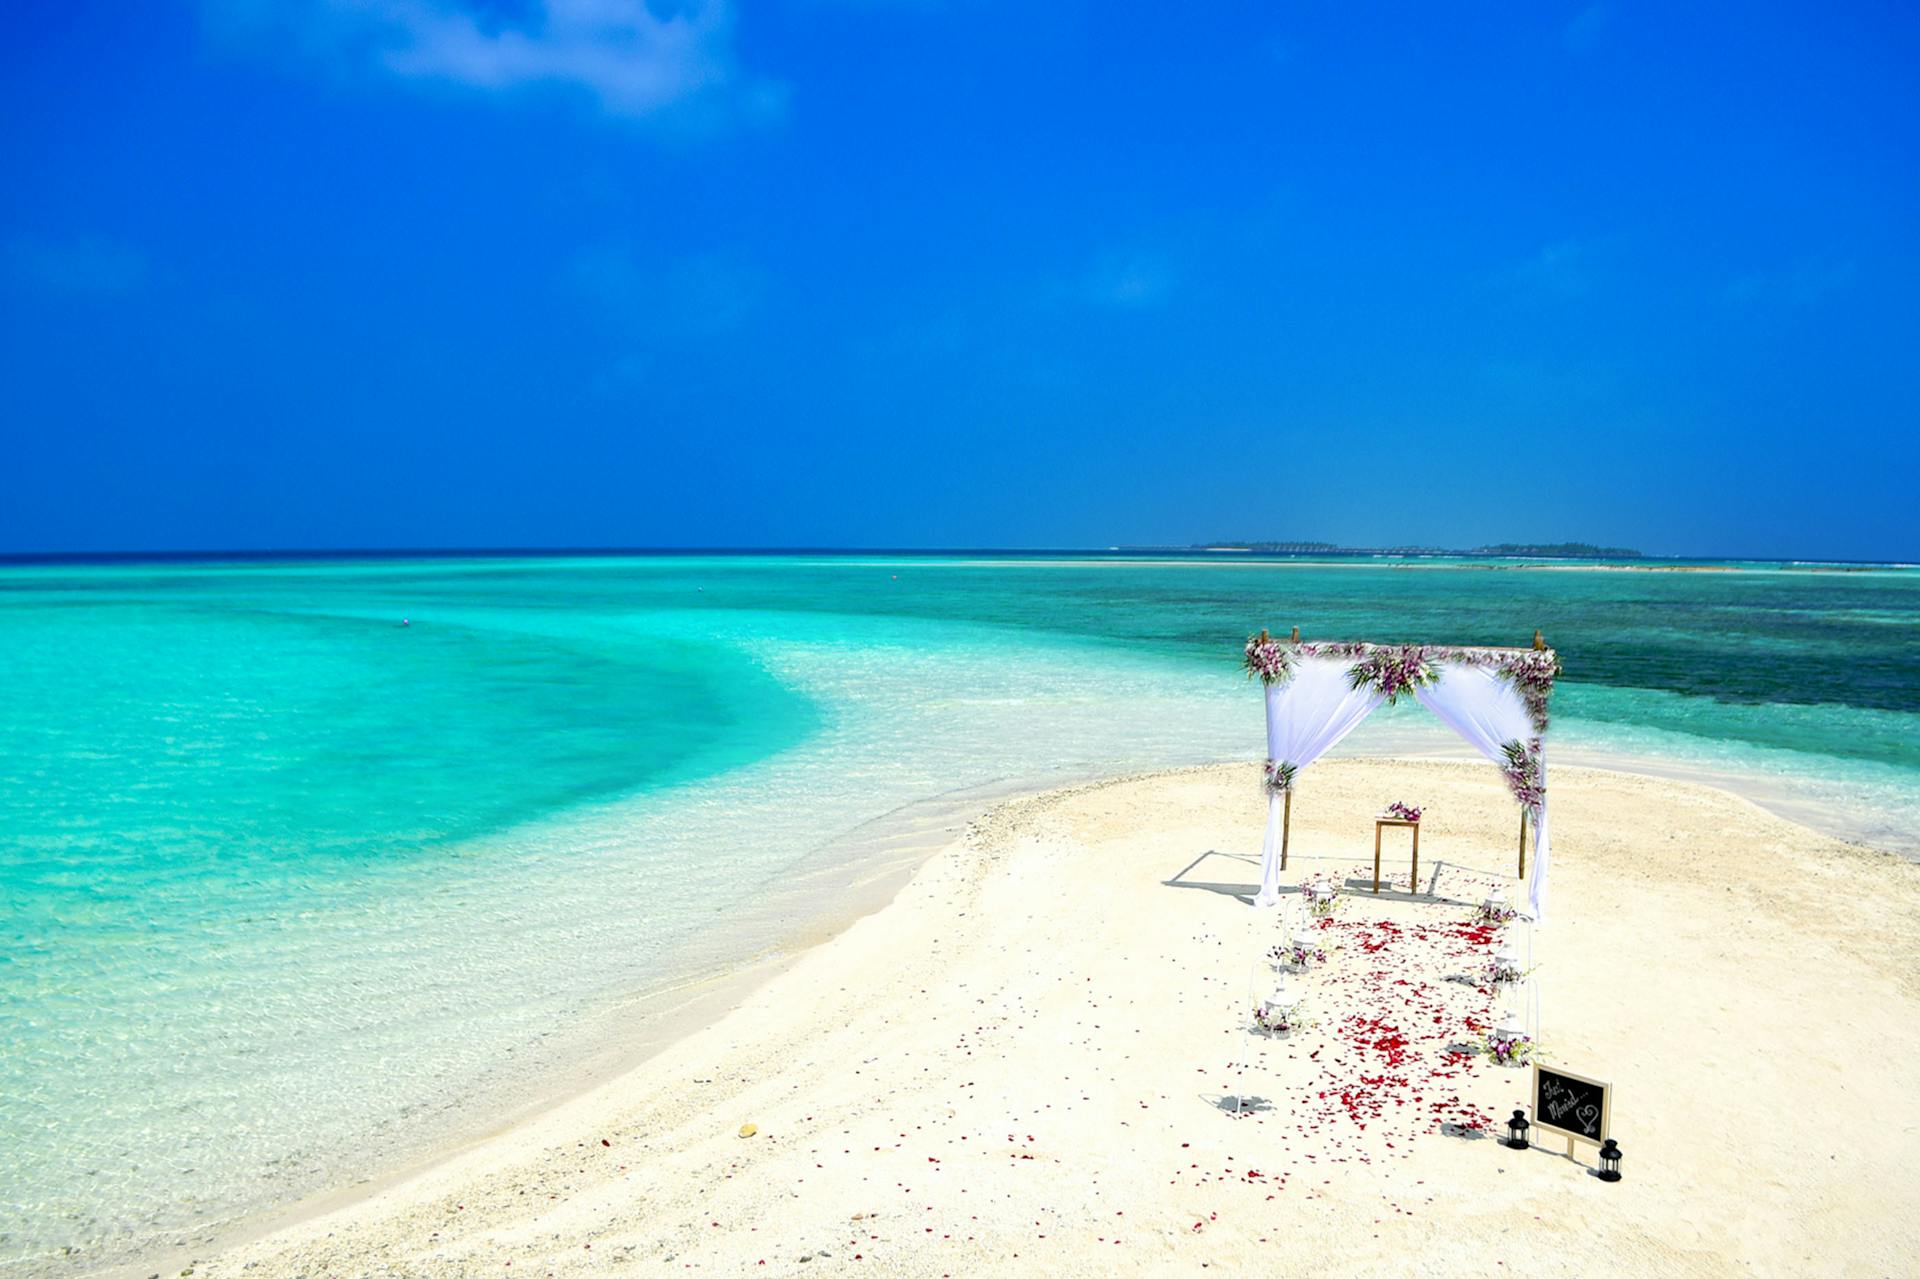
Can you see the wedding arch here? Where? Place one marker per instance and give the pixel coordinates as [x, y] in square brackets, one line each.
[1317, 693]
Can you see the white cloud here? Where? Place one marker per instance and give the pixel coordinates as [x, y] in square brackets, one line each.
[635, 59]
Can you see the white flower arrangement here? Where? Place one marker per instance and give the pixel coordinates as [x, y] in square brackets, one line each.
[1280, 1019]
[1495, 910]
[1504, 970]
[1299, 953]
[1508, 1048]
[1320, 896]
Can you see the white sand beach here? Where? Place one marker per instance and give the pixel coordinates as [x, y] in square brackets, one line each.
[1020, 1065]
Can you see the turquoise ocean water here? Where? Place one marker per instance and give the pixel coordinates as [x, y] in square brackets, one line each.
[285, 887]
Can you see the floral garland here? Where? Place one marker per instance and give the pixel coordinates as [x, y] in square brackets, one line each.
[1299, 953]
[1508, 1052]
[1335, 648]
[1532, 672]
[1267, 659]
[1522, 771]
[1393, 671]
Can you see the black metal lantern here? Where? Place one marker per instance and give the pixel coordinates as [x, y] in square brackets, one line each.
[1517, 1131]
[1609, 1160]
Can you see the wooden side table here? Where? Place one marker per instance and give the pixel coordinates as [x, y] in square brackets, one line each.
[1379, 825]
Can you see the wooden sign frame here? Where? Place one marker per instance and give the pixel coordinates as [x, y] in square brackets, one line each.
[1606, 1108]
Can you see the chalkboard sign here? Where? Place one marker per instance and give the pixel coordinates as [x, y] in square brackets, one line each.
[1571, 1105]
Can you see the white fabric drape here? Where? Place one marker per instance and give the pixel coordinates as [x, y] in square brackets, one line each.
[1306, 717]
[1542, 849]
[1486, 710]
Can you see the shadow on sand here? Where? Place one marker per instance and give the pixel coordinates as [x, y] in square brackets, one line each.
[1237, 1107]
[1357, 886]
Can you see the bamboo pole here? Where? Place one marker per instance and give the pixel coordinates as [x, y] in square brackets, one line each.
[1286, 828]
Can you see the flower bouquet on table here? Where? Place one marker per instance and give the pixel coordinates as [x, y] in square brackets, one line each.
[1320, 896]
[1402, 812]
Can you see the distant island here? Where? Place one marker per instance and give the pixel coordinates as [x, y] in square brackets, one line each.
[1500, 550]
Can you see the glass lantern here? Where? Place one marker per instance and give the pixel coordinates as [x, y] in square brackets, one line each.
[1517, 1131]
[1610, 1160]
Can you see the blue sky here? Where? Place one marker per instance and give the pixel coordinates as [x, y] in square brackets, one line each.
[849, 272]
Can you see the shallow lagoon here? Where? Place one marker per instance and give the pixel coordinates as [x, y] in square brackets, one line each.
[287, 884]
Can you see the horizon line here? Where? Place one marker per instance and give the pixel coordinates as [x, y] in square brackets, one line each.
[214, 555]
